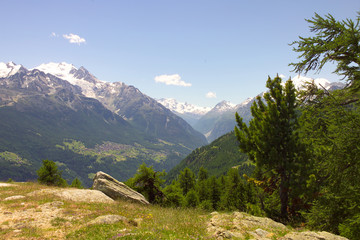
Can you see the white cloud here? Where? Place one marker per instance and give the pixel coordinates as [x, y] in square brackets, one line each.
[174, 79]
[73, 38]
[211, 95]
[53, 35]
[282, 76]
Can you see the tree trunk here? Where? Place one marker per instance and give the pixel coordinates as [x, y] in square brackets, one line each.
[284, 196]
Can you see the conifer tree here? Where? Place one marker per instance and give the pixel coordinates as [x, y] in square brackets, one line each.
[50, 175]
[334, 41]
[186, 180]
[76, 183]
[191, 199]
[202, 185]
[203, 174]
[214, 192]
[235, 193]
[271, 140]
[148, 182]
[174, 195]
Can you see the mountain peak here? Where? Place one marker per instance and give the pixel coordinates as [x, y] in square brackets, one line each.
[224, 106]
[78, 77]
[58, 69]
[182, 107]
[9, 69]
[300, 81]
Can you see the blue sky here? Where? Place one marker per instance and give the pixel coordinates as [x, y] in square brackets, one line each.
[227, 48]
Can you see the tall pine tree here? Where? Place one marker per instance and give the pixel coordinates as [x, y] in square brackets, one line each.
[271, 140]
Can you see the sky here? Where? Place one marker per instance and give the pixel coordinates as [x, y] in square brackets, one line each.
[196, 51]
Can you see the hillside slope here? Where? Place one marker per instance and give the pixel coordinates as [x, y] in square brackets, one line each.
[217, 158]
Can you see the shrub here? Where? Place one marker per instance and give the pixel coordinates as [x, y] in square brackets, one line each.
[76, 183]
[191, 199]
[50, 175]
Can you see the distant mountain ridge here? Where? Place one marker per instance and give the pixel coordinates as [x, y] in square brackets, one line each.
[189, 112]
[221, 119]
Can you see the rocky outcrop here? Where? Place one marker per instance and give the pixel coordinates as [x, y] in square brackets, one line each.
[115, 189]
[75, 195]
[84, 195]
[7, 185]
[244, 226]
[14, 197]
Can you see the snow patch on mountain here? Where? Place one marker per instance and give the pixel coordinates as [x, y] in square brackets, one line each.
[246, 102]
[224, 106]
[181, 107]
[78, 77]
[8, 69]
[300, 81]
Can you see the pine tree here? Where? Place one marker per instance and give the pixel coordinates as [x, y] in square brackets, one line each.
[50, 175]
[214, 192]
[191, 199]
[331, 125]
[271, 140]
[76, 183]
[148, 182]
[186, 180]
[334, 41]
[235, 193]
[203, 174]
[173, 195]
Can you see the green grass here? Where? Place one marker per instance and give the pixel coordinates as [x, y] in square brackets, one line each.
[144, 222]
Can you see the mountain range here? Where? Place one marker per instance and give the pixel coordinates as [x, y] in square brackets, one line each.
[216, 122]
[59, 112]
[67, 115]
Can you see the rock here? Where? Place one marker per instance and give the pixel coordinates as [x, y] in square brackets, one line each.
[311, 236]
[7, 185]
[54, 204]
[84, 195]
[137, 221]
[108, 219]
[227, 234]
[261, 233]
[248, 221]
[14, 198]
[76, 195]
[115, 189]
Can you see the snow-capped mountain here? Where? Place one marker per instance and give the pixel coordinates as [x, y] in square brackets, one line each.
[223, 106]
[300, 81]
[78, 77]
[220, 119]
[8, 69]
[181, 107]
[142, 111]
[189, 112]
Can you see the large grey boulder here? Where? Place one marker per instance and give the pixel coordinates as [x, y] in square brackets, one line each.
[115, 189]
[75, 195]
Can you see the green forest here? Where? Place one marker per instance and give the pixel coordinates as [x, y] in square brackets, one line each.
[304, 146]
